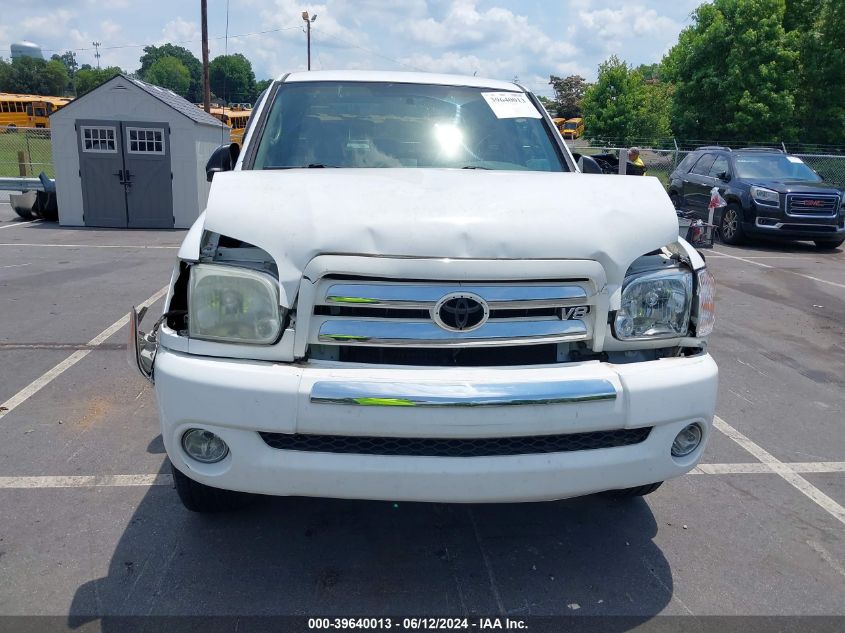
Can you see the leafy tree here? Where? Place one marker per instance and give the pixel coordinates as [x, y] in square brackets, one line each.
[621, 108]
[261, 86]
[734, 73]
[68, 58]
[819, 29]
[170, 73]
[153, 53]
[651, 72]
[569, 92]
[231, 78]
[89, 78]
[29, 75]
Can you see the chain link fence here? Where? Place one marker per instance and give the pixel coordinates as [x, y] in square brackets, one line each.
[25, 152]
[662, 157]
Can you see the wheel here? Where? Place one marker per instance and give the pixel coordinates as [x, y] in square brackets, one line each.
[730, 228]
[829, 244]
[676, 199]
[638, 491]
[198, 497]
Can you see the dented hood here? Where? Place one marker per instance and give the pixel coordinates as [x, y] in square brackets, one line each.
[296, 215]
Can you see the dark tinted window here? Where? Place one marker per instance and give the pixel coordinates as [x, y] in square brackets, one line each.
[720, 165]
[774, 166]
[684, 165]
[703, 165]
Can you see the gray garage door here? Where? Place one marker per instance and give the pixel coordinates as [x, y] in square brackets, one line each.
[125, 172]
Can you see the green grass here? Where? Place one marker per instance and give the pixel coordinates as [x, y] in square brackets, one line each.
[38, 152]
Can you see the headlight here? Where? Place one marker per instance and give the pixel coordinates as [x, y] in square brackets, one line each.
[765, 196]
[233, 305]
[705, 309]
[654, 305]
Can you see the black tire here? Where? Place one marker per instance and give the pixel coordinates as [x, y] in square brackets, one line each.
[829, 244]
[730, 226]
[198, 497]
[638, 491]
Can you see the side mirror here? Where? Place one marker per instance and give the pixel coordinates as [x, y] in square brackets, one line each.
[222, 159]
[724, 176]
[588, 165]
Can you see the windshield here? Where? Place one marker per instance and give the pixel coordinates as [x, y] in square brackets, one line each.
[774, 167]
[570, 126]
[357, 124]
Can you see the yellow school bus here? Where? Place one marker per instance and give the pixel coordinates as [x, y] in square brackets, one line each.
[18, 110]
[573, 128]
[235, 118]
[559, 122]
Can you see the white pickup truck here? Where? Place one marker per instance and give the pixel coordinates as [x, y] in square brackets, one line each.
[404, 287]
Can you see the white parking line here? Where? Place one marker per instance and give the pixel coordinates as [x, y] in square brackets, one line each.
[782, 469]
[92, 481]
[11, 226]
[86, 481]
[45, 379]
[142, 247]
[758, 468]
[786, 270]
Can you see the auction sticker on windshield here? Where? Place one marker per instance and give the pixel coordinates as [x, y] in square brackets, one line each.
[510, 105]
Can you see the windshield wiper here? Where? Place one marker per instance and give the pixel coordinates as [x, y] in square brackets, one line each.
[475, 167]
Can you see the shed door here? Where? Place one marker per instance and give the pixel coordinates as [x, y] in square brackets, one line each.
[149, 190]
[101, 172]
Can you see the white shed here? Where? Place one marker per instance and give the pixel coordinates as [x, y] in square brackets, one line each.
[130, 154]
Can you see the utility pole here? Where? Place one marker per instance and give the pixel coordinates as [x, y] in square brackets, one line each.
[206, 88]
[308, 22]
[96, 46]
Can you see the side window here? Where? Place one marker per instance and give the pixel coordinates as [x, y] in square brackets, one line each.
[98, 139]
[702, 167]
[684, 165]
[720, 165]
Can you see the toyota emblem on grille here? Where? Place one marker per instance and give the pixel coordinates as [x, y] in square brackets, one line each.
[460, 312]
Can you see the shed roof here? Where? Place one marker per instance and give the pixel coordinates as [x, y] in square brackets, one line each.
[168, 97]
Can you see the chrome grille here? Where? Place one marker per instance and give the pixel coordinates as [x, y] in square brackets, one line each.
[820, 205]
[385, 313]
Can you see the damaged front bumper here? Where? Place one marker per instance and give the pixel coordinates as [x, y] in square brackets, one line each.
[141, 348]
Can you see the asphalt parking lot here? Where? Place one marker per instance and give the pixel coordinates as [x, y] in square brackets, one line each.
[90, 524]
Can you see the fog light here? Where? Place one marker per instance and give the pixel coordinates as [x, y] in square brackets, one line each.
[686, 441]
[204, 446]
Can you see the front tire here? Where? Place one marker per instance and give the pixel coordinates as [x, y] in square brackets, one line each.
[730, 228]
[198, 497]
[829, 244]
[630, 493]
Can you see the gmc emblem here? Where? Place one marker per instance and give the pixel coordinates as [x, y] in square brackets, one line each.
[575, 312]
[812, 203]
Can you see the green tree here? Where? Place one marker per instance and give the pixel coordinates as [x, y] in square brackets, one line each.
[231, 78]
[29, 75]
[68, 58]
[734, 73]
[651, 72]
[621, 108]
[569, 93]
[89, 78]
[170, 73]
[819, 28]
[189, 61]
[261, 86]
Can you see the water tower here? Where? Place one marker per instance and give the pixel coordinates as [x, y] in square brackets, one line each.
[26, 49]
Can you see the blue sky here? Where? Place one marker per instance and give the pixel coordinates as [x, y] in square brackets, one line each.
[495, 38]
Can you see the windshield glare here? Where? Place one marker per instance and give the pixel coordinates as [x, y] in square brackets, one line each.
[357, 124]
[774, 167]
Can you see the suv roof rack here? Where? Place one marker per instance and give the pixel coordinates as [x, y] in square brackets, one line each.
[761, 149]
[720, 147]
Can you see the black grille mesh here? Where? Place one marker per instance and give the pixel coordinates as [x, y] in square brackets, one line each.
[455, 447]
